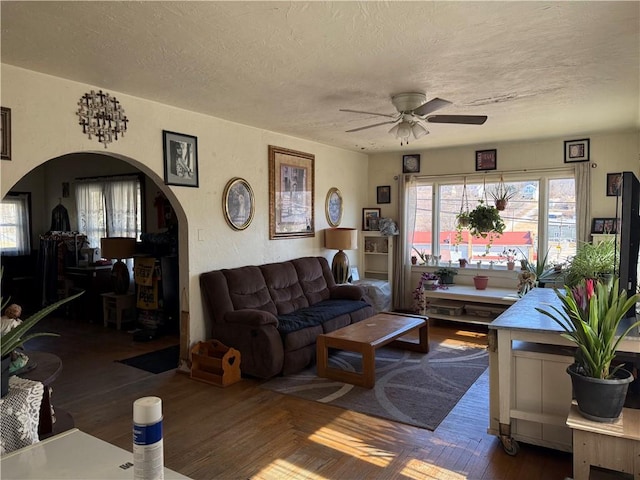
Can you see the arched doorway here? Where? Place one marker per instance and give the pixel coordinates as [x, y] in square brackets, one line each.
[52, 183]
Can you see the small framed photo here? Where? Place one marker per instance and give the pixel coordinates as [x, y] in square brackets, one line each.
[238, 203]
[383, 194]
[180, 159]
[333, 207]
[486, 160]
[5, 131]
[576, 150]
[614, 184]
[411, 163]
[370, 219]
[605, 225]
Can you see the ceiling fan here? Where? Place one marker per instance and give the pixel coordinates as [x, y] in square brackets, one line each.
[413, 111]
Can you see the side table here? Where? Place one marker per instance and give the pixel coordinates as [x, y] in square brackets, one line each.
[114, 306]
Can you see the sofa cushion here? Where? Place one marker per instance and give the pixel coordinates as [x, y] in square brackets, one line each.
[282, 282]
[317, 314]
[301, 338]
[315, 278]
[247, 289]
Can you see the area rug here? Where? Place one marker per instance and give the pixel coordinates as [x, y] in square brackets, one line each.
[413, 388]
[155, 362]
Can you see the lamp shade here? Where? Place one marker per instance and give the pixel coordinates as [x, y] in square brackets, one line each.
[341, 238]
[117, 247]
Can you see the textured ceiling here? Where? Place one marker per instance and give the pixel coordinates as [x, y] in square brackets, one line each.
[537, 69]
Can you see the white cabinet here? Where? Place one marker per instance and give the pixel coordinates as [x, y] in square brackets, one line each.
[377, 256]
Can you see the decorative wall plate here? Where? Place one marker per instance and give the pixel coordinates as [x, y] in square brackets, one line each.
[333, 207]
[238, 203]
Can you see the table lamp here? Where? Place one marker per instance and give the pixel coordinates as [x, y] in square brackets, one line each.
[117, 248]
[341, 239]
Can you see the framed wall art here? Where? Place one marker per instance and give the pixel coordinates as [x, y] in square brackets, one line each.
[333, 207]
[238, 203]
[5, 133]
[486, 160]
[180, 159]
[614, 184]
[370, 218]
[291, 193]
[383, 194]
[576, 150]
[411, 163]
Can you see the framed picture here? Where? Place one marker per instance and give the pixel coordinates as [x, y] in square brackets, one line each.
[370, 218]
[605, 225]
[291, 193]
[238, 203]
[411, 163]
[180, 159]
[384, 194]
[333, 207]
[576, 150]
[486, 160]
[614, 184]
[5, 126]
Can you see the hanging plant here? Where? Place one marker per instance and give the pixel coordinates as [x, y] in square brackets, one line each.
[485, 220]
[462, 218]
[502, 194]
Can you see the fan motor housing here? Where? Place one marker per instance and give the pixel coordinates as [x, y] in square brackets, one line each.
[406, 102]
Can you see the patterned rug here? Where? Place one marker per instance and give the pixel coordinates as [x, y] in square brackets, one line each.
[413, 388]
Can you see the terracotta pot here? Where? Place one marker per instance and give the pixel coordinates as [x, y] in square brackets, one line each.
[501, 204]
[414, 260]
[481, 282]
[463, 263]
[511, 265]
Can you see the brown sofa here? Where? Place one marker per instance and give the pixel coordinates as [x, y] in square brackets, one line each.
[273, 313]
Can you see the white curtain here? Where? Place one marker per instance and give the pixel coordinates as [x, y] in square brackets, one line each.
[402, 252]
[583, 207]
[15, 218]
[109, 207]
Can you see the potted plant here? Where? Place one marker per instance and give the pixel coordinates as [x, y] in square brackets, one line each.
[20, 333]
[502, 194]
[485, 220]
[481, 282]
[446, 275]
[428, 281]
[510, 255]
[424, 256]
[590, 317]
[591, 261]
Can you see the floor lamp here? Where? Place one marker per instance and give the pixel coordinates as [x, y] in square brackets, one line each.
[341, 239]
[117, 248]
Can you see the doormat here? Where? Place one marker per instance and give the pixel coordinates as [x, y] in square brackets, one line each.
[155, 362]
[414, 388]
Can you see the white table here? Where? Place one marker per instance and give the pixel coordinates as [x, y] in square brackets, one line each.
[72, 455]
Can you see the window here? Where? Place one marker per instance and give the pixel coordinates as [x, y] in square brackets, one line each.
[540, 218]
[15, 224]
[109, 207]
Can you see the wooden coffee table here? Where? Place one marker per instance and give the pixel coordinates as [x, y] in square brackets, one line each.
[365, 337]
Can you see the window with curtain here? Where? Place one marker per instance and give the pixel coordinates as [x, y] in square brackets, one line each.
[109, 207]
[539, 219]
[15, 229]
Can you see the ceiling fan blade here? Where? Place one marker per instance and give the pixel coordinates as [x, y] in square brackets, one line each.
[431, 106]
[464, 119]
[370, 113]
[371, 126]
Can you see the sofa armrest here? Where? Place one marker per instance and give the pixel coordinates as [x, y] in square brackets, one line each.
[347, 292]
[251, 317]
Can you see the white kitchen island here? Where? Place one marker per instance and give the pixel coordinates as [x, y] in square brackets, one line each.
[530, 391]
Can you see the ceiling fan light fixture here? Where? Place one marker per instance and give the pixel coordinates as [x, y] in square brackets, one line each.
[402, 131]
[418, 130]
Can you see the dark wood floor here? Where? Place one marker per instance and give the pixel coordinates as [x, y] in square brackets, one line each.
[244, 431]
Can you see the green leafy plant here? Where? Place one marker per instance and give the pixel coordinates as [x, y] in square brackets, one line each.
[591, 261]
[590, 316]
[422, 254]
[485, 220]
[502, 194]
[540, 269]
[445, 271]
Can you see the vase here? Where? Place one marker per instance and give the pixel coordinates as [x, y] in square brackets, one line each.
[600, 399]
[481, 282]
